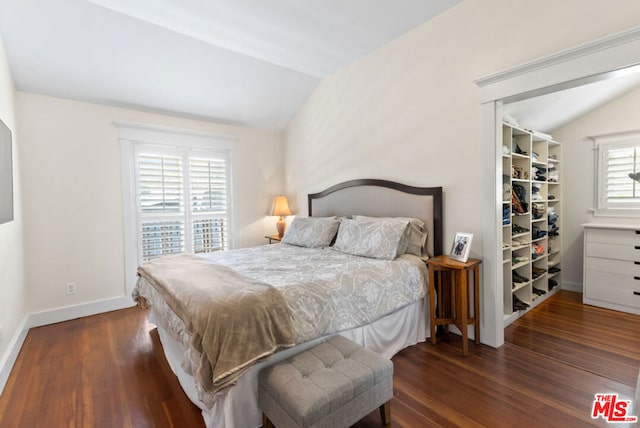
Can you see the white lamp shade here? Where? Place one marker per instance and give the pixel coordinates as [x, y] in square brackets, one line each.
[281, 206]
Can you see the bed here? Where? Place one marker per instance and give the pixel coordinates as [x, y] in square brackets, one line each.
[379, 303]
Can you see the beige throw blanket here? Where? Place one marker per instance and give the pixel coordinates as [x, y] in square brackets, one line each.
[234, 321]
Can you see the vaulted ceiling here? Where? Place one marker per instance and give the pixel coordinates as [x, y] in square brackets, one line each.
[251, 62]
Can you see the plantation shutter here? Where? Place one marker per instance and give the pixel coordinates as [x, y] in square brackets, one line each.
[160, 196]
[619, 187]
[209, 204]
[183, 201]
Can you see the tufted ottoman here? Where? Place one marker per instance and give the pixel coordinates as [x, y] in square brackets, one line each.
[334, 384]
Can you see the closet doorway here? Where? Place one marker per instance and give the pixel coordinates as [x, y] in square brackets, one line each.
[571, 71]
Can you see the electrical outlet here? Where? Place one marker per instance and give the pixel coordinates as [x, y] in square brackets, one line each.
[71, 288]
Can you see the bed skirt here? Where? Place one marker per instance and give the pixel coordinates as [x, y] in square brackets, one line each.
[238, 406]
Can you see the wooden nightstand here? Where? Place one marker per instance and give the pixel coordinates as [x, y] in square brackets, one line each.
[273, 238]
[449, 280]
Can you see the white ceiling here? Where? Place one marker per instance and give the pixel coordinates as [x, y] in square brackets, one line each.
[251, 62]
[549, 112]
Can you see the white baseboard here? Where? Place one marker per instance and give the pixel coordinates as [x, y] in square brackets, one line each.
[37, 319]
[66, 313]
[571, 286]
[11, 354]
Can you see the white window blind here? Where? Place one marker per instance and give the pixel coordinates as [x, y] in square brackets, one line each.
[209, 204]
[183, 200]
[160, 208]
[618, 172]
[621, 166]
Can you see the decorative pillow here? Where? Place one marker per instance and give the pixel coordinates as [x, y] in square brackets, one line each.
[416, 234]
[311, 232]
[376, 239]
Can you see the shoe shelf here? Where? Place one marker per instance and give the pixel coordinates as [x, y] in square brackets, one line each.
[519, 286]
[531, 174]
[519, 265]
[552, 275]
[543, 276]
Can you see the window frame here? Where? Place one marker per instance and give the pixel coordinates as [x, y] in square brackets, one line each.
[167, 140]
[602, 145]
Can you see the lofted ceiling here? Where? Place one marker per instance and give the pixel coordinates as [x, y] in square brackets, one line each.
[250, 62]
[546, 113]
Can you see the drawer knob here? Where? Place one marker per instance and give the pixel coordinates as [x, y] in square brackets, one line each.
[637, 247]
[637, 293]
[637, 232]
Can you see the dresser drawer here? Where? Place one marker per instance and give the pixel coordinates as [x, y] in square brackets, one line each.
[614, 236]
[613, 251]
[612, 287]
[622, 267]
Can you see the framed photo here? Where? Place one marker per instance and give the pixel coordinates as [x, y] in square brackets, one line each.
[461, 246]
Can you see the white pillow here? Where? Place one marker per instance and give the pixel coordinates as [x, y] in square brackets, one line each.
[376, 239]
[311, 232]
[416, 234]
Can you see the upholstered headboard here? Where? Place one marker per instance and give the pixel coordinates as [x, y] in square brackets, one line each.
[382, 198]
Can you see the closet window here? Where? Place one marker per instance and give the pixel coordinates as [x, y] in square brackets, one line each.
[618, 174]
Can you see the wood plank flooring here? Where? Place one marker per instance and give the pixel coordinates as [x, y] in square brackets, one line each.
[109, 371]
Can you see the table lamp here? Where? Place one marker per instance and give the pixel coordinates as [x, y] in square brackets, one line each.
[281, 208]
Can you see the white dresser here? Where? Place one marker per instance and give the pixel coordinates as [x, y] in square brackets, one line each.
[612, 266]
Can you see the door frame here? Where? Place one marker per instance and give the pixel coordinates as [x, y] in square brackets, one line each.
[602, 59]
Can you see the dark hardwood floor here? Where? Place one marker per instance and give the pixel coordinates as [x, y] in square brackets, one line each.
[109, 371]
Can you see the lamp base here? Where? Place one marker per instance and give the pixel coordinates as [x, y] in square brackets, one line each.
[280, 226]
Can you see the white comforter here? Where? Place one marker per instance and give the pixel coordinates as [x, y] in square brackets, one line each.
[328, 291]
[325, 290]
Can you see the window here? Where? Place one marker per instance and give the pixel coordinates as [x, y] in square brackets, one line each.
[182, 201]
[618, 174]
[177, 190]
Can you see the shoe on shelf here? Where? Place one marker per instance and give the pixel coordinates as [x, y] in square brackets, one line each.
[554, 270]
[552, 283]
[519, 241]
[515, 229]
[518, 279]
[538, 291]
[519, 259]
[537, 272]
[519, 305]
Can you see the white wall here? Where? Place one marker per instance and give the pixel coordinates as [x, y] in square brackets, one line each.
[578, 173]
[70, 159]
[410, 111]
[12, 283]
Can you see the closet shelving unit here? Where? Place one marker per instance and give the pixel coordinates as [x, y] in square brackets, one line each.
[525, 230]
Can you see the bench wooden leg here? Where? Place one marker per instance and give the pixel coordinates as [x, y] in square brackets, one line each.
[266, 423]
[385, 413]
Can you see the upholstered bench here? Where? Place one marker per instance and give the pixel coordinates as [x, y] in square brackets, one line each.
[334, 384]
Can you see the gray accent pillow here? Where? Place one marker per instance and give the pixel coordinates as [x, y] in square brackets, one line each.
[311, 232]
[416, 234]
[380, 239]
